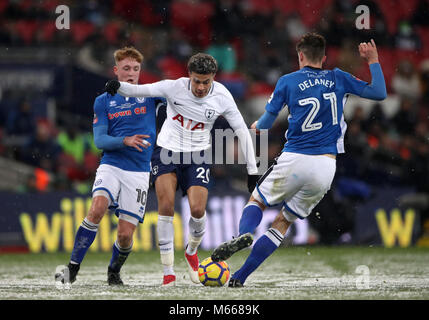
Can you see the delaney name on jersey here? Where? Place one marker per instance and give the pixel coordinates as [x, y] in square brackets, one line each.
[315, 82]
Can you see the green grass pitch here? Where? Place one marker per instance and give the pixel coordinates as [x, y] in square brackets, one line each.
[302, 273]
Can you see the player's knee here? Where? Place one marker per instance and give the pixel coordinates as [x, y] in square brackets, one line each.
[257, 200]
[165, 205]
[98, 209]
[166, 208]
[280, 223]
[279, 219]
[125, 238]
[197, 211]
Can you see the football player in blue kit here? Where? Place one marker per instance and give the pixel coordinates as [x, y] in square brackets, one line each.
[302, 174]
[125, 129]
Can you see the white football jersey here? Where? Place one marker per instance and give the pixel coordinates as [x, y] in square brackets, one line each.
[189, 118]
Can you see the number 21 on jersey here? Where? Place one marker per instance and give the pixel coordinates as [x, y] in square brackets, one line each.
[308, 124]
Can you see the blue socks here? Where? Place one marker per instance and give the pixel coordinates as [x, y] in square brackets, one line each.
[119, 256]
[250, 219]
[85, 236]
[262, 249]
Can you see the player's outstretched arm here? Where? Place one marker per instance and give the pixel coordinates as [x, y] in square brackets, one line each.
[264, 122]
[132, 90]
[135, 90]
[376, 90]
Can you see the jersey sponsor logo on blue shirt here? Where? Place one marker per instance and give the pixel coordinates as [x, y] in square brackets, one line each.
[138, 110]
[125, 105]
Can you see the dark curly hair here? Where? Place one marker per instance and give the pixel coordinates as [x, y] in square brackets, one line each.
[202, 63]
[312, 45]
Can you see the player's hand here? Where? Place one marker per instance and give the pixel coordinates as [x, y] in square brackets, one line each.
[251, 182]
[137, 141]
[253, 127]
[368, 51]
[112, 87]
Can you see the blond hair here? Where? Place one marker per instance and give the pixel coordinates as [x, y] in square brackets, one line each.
[128, 52]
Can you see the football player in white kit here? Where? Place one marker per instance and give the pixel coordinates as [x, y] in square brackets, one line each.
[193, 105]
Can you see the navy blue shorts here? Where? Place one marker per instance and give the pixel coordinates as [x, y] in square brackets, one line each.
[187, 171]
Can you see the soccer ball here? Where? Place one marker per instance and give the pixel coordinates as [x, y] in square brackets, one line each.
[213, 274]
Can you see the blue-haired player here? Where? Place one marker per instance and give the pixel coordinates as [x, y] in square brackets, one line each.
[125, 129]
[304, 171]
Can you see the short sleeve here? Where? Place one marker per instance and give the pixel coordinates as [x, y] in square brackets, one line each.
[350, 83]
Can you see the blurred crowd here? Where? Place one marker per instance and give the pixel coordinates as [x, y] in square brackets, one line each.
[253, 41]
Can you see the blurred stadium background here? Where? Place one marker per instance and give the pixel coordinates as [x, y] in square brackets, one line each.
[49, 79]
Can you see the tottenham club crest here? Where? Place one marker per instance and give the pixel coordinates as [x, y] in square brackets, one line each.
[155, 170]
[209, 113]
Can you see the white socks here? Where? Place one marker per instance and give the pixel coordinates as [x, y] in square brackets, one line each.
[197, 228]
[165, 231]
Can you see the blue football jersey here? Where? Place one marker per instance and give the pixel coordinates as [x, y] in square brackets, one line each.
[124, 117]
[315, 99]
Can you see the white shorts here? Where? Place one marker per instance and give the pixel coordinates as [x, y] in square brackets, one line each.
[126, 191]
[298, 181]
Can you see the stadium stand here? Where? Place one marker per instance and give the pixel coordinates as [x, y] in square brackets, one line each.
[261, 34]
